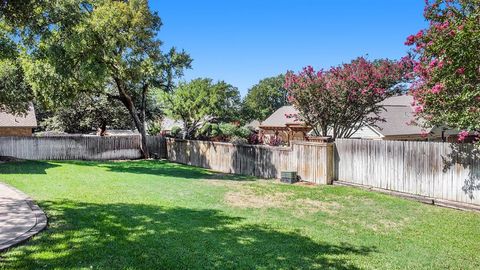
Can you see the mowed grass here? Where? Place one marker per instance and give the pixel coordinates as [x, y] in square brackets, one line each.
[160, 215]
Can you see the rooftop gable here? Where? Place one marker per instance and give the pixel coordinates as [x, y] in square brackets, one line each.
[22, 120]
[279, 118]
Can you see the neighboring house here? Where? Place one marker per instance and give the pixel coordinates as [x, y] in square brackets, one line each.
[18, 125]
[398, 115]
[255, 124]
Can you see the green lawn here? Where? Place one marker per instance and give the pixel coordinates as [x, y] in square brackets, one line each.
[154, 214]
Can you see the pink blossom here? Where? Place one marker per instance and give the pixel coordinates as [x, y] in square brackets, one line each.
[410, 40]
[462, 135]
[440, 64]
[437, 88]
[418, 109]
[417, 68]
[420, 46]
[461, 70]
[419, 34]
[444, 25]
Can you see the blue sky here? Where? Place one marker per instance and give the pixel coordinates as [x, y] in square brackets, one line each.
[243, 41]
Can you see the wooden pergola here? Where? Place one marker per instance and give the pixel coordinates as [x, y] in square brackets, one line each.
[289, 130]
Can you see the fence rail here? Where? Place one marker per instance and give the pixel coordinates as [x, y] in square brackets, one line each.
[437, 170]
[312, 161]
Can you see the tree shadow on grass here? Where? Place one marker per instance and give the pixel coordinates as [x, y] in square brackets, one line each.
[26, 167]
[163, 168]
[119, 236]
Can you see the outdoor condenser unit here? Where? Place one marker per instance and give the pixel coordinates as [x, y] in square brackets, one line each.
[288, 177]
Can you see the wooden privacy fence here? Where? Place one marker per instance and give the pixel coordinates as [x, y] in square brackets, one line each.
[312, 161]
[438, 170]
[441, 171]
[79, 147]
[157, 146]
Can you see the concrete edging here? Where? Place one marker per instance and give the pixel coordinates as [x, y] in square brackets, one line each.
[40, 220]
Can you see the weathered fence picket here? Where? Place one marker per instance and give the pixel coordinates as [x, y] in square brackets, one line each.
[442, 171]
[312, 161]
[79, 147]
[437, 170]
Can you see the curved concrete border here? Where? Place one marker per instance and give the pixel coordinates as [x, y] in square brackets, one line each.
[37, 218]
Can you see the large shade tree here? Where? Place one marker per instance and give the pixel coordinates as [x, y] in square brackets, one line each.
[264, 98]
[200, 101]
[339, 101]
[15, 93]
[447, 66]
[80, 46]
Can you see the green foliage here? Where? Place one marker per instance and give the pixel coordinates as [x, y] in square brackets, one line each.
[76, 46]
[243, 132]
[224, 132]
[201, 101]
[15, 93]
[154, 128]
[264, 98]
[86, 114]
[228, 130]
[175, 131]
[210, 130]
[238, 140]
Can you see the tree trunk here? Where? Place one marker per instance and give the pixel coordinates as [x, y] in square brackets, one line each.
[185, 129]
[140, 127]
[103, 128]
[127, 101]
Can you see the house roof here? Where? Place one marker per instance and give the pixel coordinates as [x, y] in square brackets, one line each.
[23, 120]
[398, 114]
[253, 124]
[279, 118]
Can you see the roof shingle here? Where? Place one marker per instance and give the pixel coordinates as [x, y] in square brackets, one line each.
[23, 120]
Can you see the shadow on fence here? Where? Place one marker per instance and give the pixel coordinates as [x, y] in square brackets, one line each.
[152, 237]
[442, 171]
[468, 157]
[225, 157]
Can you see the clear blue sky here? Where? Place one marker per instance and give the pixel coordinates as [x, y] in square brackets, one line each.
[243, 41]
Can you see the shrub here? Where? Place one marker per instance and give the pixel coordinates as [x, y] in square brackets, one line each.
[254, 138]
[275, 141]
[175, 132]
[154, 128]
[243, 132]
[223, 132]
[228, 130]
[238, 140]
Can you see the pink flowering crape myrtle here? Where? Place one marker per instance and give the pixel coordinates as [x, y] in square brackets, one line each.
[338, 101]
[446, 57]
